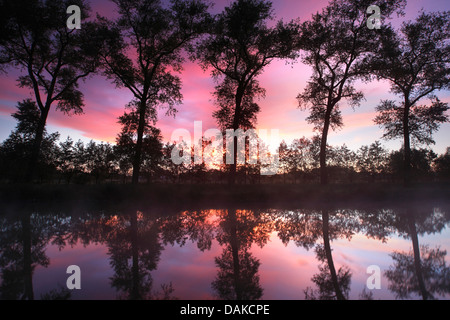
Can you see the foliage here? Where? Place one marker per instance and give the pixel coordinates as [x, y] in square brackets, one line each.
[53, 58]
[156, 35]
[402, 275]
[334, 43]
[415, 62]
[423, 120]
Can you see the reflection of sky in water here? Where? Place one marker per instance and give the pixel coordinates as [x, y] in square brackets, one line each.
[285, 271]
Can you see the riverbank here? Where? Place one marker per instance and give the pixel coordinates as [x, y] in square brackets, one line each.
[265, 195]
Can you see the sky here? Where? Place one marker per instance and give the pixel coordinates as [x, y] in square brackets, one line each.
[279, 109]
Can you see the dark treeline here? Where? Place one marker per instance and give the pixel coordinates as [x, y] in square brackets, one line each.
[144, 48]
[69, 161]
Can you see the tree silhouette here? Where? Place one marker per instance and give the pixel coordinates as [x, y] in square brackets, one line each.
[422, 270]
[155, 35]
[99, 160]
[194, 225]
[331, 284]
[15, 151]
[442, 165]
[67, 159]
[420, 163]
[53, 57]
[415, 62]
[151, 152]
[238, 47]
[334, 43]
[372, 160]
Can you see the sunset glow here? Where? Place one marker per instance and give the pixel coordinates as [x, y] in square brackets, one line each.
[231, 157]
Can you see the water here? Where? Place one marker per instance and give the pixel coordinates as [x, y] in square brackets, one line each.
[228, 253]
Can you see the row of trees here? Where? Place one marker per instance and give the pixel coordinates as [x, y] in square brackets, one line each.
[299, 162]
[144, 49]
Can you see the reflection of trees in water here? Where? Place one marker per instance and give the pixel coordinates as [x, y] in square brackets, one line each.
[135, 242]
[23, 240]
[331, 285]
[235, 230]
[423, 270]
[132, 240]
[197, 226]
[134, 247]
[317, 229]
[237, 277]
[435, 274]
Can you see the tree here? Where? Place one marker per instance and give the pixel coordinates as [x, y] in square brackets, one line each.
[53, 57]
[69, 158]
[15, 151]
[342, 163]
[239, 46]
[372, 160]
[135, 251]
[171, 171]
[334, 43]
[284, 152]
[99, 160]
[298, 157]
[442, 165]
[151, 153]
[142, 50]
[415, 62]
[421, 161]
[24, 240]
[331, 285]
[305, 228]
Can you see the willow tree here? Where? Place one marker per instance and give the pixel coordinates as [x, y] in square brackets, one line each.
[240, 44]
[143, 52]
[334, 43]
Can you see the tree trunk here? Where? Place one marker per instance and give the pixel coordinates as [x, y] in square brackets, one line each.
[140, 138]
[323, 148]
[417, 262]
[407, 147]
[236, 120]
[134, 294]
[327, 247]
[36, 148]
[27, 258]
[234, 244]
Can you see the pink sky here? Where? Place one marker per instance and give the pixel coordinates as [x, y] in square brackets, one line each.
[104, 103]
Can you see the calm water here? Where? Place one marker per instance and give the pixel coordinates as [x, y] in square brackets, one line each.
[228, 253]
